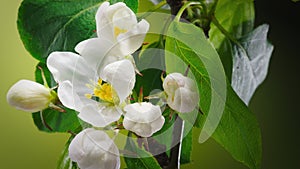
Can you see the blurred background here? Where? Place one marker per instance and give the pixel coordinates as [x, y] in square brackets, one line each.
[275, 103]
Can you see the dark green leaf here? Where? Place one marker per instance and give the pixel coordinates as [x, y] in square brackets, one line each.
[46, 25]
[64, 161]
[142, 159]
[251, 61]
[238, 131]
[58, 121]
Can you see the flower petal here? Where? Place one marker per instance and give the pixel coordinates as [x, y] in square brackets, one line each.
[100, 116]
[124, 19]
[68, 96]
[96, 50]
[121, 75]
[142, 112]
[69, 66]
[93, 149]
[141, 129]
[172, 82]
[104, 18]
[184, 100]
[144, 118]
[132, 40]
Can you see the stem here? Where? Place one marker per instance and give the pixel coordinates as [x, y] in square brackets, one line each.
[183, 8]
[187, 70]
[213, 9]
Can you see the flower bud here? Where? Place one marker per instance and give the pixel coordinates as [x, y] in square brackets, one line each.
[30, 96]
[181, 92]
[144, 118]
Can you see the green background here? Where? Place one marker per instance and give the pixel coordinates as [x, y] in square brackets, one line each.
[276, 102]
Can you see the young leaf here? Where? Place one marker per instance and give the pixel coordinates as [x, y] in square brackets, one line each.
[238, 131]
[139, 161]
[250, 62]
[46, 25]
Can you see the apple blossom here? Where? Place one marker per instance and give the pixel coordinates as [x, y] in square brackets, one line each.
[118, 35]
[93, 149]
[143, 118]
[97, 97]
[30, 96]
[181, 92]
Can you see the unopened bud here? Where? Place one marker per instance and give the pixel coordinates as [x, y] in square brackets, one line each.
[30, 96]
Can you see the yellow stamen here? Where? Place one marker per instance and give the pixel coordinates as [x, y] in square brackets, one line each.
[104, 92]
[118, 31]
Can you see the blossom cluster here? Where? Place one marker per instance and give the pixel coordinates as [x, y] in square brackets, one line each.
[97, 81]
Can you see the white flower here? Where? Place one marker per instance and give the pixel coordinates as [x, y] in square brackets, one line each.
[30, 96]
[93, 149]
[181, 91]
[144, 118]
[82, 88]
[119, 35]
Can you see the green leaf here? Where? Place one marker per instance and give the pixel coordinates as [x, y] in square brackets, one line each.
[64, 161]
[238, 131]
[251, 61]
[236, 16]
[46, 25]
[142, 159]
[58, 121]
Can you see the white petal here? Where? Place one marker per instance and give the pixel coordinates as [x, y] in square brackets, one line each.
[141, 129]
[100, 116]
[69, 66]
[142, 112]
[157, 124]
[144, 119]
[121, 75]
[104, 18]
[132, 40]
[172, 82]
[68, 96]
[95, 50]
[93, 149]
[28, 96]
[124, 19]
[184, 100]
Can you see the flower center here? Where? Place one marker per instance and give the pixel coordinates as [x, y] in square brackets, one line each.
[118, 31]
[103, 92]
